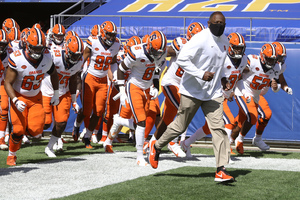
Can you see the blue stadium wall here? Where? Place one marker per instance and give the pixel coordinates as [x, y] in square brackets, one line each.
[284, 124]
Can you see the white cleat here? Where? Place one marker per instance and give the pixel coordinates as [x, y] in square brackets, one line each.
[186, 149]
[50, 153]
[260, 144]
[26, 140]
[141, 162]
[176, 149]
[94, 139]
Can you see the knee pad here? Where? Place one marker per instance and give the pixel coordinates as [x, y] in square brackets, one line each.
[263, 122]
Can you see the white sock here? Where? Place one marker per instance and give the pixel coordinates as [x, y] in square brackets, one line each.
[152, 138]
[88, 133]
[108, 141]
[104, 133]
[139, 139]
[229, 131]
[2, 134]
[95, 132]
[60, 143]
[257, 136]
[240, 138]
[52, 141]
[196, 136]
[10, 153]
[124, 122]
[183, 135]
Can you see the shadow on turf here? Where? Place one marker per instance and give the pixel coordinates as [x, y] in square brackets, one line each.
[7, 171]
[235, 173]
[258, 154]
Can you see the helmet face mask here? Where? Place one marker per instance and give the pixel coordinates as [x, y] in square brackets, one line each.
[268, 55]
[156, 54]
[58, 38]
[74, 49]
[72, 57]
[35, 52]
[281, 59]
[237, 45]
[237, 52]
[281, 52]
[109, 38]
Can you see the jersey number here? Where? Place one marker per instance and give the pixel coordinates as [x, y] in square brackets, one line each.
[259, 82]
[32, 82]
[232, 80]
[102, 62]
[148, 73]
[63, 79]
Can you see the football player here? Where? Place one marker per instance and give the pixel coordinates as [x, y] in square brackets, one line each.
[68, 63]
[22, 83]
[143, 60]
[103, 53]
[261, 71]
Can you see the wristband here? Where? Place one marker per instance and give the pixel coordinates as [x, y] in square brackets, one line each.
[15, 100]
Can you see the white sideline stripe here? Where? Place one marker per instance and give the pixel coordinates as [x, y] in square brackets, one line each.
[58, 178]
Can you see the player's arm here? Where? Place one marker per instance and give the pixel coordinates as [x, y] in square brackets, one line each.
[54, 77]
[73, 88]
[10, 77]
[284, 84]
[86, 54]
[171, 52]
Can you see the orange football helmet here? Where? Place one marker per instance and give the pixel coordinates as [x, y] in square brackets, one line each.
[74, 49]
[157, 44]
[108, 31]
[9, 23]
[23, 37]
[58, 34]
[237, 45]
[69, 34]
[281, 52]
[4, 40]
[134, 40]
[268, 55]
[145, 38]
[35, 43]
[14, 34]
[37, 25]
[96, 30]
[194, 28]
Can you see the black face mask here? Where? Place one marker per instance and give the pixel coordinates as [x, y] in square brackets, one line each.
[217, 29]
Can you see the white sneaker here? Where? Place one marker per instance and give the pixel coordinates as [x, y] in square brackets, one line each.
[186, 149]
[50, 153]
[26, 140]
[94, 138]
[60, 145]
[260, 144]
[141, 162]
[176, 149]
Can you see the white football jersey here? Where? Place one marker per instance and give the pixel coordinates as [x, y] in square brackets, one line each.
[142, 66]
[233, 73]
[30, 75]
[101, 56]
[256, 79]
[15, 45]
[174, 72]
[64, 72]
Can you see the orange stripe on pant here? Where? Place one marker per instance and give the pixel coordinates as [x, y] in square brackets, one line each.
[31, 119]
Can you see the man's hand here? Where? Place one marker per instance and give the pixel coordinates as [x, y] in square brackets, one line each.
[122, 96]
[208, 76]
[20, 105]
[153, 92]
[55, 98]
[288, 90]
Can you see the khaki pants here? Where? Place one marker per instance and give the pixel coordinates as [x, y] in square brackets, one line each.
[213, 111]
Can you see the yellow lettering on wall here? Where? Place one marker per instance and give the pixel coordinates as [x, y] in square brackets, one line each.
[262, 5]
[162, 5]
[203, 6]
